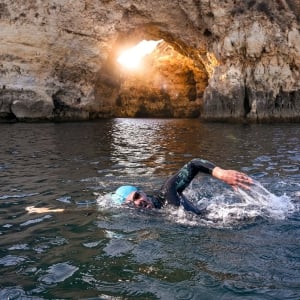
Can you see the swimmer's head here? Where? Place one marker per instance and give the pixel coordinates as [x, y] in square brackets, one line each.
[139, 199]
[121, 193]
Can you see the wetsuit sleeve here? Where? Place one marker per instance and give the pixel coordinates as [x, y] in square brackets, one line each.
[189, 206]
[172, 190]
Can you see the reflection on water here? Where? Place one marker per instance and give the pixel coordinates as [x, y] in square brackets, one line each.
[246, 248]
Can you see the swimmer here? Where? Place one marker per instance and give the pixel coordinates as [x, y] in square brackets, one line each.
[172, 190]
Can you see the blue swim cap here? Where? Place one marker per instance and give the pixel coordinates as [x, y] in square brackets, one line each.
[121, 193]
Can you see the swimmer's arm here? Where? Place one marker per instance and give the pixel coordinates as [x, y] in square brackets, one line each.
[42, 210]
[170, 192]
[234, 178]
[189, 206]
[175, 185]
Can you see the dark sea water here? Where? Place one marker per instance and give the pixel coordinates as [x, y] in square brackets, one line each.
[247, 247]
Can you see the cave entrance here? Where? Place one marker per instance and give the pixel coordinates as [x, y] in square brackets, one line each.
[158, 80]
[132, 57]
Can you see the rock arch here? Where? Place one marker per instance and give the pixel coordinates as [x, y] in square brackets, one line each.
[236, 60]
[171, 82]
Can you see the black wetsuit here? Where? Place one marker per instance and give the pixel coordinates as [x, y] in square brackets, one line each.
[172, 190]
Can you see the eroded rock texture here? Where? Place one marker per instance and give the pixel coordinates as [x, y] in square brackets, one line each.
[221, 60]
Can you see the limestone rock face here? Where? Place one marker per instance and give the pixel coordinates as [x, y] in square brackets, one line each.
[231, 60]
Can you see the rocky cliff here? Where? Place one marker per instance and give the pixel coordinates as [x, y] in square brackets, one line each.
[233, 60]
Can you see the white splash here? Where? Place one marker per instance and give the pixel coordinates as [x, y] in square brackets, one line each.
[267, 204]
[105, 201]
[226, 207]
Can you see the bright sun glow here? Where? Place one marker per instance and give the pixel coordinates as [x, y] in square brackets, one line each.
[132, 57]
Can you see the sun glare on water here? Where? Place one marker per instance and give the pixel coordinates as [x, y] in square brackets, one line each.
[132, 57]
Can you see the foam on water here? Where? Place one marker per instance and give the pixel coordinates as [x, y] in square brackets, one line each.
[105, 201]
[266, 203]
[237, 207]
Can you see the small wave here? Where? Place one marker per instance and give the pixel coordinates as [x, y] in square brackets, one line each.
[65, 199]
[16, 292]
[265, 203]
[35, 221]
[105, 201]
[58, 273]
[92, 244]
[11, 260]
[19, 247]
[24, 195]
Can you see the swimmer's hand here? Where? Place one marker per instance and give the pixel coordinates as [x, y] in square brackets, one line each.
[41, 210]
[234, 178]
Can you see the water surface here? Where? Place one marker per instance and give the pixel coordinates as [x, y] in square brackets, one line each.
[247, 248]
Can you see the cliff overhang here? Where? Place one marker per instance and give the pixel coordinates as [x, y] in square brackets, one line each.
[230, 61]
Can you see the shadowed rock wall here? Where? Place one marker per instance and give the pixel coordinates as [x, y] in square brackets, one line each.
[221, 60]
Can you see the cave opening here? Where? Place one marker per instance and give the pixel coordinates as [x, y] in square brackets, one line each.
[154, 76]
[131, 58]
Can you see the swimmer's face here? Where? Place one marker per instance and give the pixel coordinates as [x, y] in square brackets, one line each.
[139, 199]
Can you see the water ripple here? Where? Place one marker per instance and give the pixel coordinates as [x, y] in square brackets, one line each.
[35, 221]
[117, 247]
[24, 195]
[12, 260]
[19, 247]
[58, 273]
[16, 293]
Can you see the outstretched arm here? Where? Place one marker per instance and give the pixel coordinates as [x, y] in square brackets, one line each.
[41, 210]
[175, 185]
